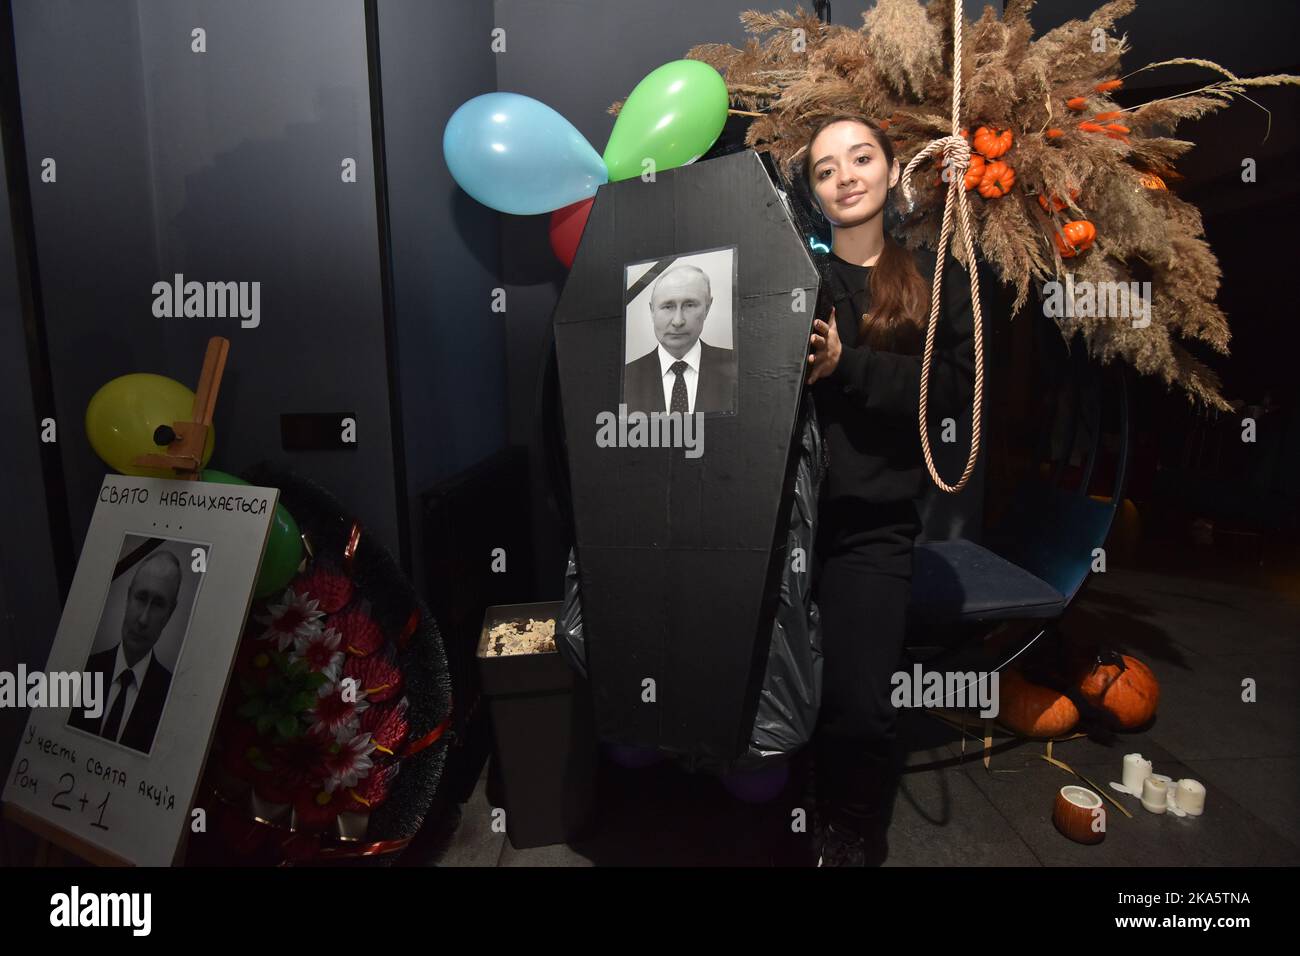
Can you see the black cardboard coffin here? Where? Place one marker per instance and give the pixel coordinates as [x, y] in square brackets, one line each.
[675, 553]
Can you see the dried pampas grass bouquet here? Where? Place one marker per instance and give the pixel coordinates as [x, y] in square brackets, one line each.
[1063, 179]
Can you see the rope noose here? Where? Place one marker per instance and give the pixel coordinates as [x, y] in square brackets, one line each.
[956, 151]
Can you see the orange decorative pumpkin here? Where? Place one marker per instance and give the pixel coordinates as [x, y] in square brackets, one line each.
[1078, 236]
[1031, 710]
[991, 144]
[997, 180]
[1127, 694]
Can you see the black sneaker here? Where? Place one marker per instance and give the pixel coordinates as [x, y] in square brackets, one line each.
[876, 847]
[840, 847]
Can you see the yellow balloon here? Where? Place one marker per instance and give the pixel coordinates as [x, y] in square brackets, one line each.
[123, 415]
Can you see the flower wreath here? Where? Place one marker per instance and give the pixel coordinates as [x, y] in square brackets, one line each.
[334, 729]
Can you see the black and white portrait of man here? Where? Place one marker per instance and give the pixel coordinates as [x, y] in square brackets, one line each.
[679, 334]
[139, 637]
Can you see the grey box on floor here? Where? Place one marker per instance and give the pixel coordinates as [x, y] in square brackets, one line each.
[544, 734]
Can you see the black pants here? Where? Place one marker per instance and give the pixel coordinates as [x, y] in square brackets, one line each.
[862, 586]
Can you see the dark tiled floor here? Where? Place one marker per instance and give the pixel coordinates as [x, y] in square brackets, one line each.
[1204, 628]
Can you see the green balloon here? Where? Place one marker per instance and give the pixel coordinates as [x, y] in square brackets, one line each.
[283, 545]
[672, 117]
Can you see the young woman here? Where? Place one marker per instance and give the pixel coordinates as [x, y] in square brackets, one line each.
[864, 366]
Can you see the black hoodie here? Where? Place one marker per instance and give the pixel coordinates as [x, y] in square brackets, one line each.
[868, 407]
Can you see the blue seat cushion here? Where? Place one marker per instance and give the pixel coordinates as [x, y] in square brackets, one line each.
[959, 580]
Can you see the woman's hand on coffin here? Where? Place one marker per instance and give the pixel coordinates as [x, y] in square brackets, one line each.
[826, 349]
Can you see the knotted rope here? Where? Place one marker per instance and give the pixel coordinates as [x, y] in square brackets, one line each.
[956, 152]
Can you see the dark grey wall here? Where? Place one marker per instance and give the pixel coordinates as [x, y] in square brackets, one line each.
[222, 166]
[29, 598]
[445, 246]
[1238, 36]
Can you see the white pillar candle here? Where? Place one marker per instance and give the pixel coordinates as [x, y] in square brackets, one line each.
[1191, 797]
[1153, 794]
[1136, 770]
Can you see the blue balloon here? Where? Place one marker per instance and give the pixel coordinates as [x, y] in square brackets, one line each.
[517, 155]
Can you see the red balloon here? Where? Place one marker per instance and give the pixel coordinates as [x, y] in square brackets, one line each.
[567, 224]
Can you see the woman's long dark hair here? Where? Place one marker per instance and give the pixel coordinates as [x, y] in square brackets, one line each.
[900, 298]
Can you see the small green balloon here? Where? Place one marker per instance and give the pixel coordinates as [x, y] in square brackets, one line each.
[123, 415]
[283, 545]
[672, 117]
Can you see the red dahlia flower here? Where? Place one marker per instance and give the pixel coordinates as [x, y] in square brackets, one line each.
[377, 677]
[361, 635]
[388, 725]
[331, 590]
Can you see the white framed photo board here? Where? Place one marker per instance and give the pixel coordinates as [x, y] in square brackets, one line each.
[153, 621]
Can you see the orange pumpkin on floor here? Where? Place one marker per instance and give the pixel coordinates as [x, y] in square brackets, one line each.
[1032, 710]
[1128, 695]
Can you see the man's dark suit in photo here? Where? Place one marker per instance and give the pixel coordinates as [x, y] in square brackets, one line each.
[142, 723]
[643, 388]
